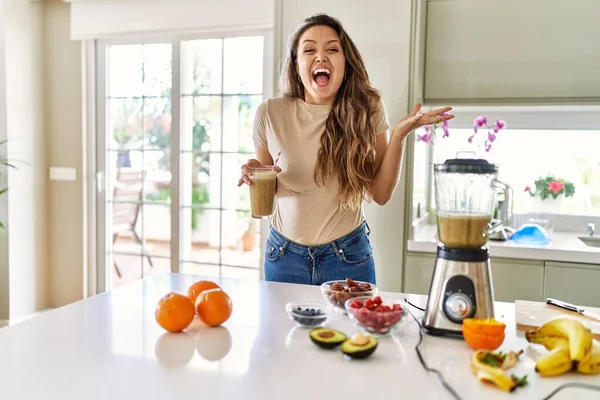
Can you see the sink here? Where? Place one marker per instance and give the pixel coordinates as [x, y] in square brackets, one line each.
[592, 241]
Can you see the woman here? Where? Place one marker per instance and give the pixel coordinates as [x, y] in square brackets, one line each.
[332, 131]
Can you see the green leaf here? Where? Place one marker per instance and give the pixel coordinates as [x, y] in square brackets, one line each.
[521, 382]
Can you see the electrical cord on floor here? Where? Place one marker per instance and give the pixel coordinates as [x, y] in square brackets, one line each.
[453, 392]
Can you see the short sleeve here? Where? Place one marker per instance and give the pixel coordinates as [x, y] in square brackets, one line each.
[379, 119]
[259, 131]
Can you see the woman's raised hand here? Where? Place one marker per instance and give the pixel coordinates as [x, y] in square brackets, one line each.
[251, 163]
[415, 120]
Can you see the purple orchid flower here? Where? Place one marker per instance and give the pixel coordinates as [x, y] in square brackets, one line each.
[499, 125]
[480, 122]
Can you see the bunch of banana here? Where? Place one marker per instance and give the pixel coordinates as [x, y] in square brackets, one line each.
[571, 347]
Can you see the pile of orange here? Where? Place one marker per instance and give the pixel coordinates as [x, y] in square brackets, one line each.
[483, 334]
[205, 299]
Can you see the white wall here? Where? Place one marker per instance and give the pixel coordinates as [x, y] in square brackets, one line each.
[24, 122]
[64, 107]
[109, 18]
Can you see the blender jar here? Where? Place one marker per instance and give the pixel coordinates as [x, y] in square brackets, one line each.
[465, 195]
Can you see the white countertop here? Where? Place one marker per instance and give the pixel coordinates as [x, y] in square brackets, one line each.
[565, 247]
[110, 347]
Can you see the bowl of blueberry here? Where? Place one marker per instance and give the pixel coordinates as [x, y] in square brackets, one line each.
[309, 314]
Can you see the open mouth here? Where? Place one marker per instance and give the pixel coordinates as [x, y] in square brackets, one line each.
[321, 76]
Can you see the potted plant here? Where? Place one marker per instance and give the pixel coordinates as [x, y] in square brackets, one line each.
[549, 192]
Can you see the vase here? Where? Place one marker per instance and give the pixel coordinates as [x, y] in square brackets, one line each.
[550, 205]
[544, 211]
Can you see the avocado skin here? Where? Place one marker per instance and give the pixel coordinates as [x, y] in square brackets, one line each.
[327, 343]
[359, 352]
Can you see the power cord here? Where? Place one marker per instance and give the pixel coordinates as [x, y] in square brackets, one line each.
[453, 392]
[422, 360]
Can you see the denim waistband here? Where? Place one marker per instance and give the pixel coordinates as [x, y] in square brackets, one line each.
[285, 244]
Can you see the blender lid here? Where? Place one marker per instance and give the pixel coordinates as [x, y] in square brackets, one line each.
[467, 165]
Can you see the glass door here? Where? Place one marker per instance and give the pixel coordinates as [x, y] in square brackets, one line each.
[174, 125]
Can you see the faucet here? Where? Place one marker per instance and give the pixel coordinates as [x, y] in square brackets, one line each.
[591, 229]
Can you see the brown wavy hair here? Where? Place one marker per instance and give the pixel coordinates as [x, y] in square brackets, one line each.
[348, 142]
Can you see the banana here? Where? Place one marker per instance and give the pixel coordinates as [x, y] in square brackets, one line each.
[487, 373]
[591, 362]
[579, 337]
[555, 362]
[554, 342]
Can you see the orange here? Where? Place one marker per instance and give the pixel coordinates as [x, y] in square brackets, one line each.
[484, 326]
[200, 286]
[481, 341]
[213, 307]
[174, 312]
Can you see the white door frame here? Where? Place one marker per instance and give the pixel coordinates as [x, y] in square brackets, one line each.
[95, 274]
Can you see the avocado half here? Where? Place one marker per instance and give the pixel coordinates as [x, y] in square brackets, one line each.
[360, 346]
[327, 338]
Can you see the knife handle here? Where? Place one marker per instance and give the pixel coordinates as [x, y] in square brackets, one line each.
[562, 304]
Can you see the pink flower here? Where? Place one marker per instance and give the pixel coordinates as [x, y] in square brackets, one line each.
[527, 189]
[555, 186]
[491, 137]
[499, 125]
[480, 122]
[471, 138]
[427, 138]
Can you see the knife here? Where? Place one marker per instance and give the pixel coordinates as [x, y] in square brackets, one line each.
[572, 307]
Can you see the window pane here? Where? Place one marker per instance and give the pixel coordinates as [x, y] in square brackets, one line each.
[234, 197]
[201, 123]
[156, 232]
[157, 176]
[125, 119]
[243, 66]
[157, 123]
[238, 120]
[241, 239]
[202, 245]
[127, 265]
[526, 155]
[200, 269]
[125, 74]
[157, 69]
[202, 188]
[202, 72]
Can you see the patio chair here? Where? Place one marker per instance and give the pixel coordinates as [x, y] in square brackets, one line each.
[127, 201]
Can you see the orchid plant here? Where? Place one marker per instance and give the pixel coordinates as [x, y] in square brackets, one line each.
[479, 124]
[550, 186]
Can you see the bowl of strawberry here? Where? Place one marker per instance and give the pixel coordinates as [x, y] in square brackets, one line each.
[376, 315]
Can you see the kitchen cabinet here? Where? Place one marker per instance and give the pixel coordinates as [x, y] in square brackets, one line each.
[418, 270]
[575, 283]
[512, 279]
[517, 279]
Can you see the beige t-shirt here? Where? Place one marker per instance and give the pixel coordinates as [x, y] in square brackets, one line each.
[305, 213]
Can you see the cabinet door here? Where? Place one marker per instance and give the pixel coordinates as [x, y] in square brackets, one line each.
[574, 283]
[418, 272]
[517, 279]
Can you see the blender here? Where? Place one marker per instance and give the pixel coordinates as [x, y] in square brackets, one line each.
[461, 284]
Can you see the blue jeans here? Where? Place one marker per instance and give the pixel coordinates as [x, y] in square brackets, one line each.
[350, 256]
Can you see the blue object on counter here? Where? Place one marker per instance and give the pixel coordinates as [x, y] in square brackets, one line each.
[531, 234]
